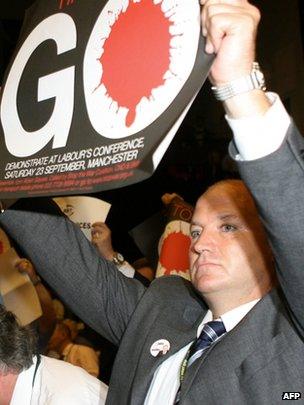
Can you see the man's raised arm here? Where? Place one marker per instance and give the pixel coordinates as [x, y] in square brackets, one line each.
[91, 286]
[267, 146]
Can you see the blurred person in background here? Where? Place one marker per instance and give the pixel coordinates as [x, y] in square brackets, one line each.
[27, 378]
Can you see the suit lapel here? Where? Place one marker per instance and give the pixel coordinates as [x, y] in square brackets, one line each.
[257, 328]
[177, 334]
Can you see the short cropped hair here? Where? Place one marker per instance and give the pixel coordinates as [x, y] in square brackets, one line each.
[235, 186]
[17, 344]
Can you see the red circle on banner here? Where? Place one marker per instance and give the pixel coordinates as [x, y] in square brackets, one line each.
[175, 253]
[138, 58]
[140, 51]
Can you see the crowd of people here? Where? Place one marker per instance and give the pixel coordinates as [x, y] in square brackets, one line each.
[234, 333]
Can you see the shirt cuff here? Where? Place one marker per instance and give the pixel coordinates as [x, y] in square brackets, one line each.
[126, 269]
[258, 136]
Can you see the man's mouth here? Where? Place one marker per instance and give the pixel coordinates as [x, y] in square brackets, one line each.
[206, 265]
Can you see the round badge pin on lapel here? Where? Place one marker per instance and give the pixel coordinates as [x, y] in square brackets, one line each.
[160, 347]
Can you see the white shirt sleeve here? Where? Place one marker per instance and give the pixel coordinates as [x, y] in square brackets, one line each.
[126, 269]
[258, 136]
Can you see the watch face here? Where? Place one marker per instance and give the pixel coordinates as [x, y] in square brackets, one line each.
[120, 257]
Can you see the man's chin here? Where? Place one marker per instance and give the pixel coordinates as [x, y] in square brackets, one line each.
[208, 286]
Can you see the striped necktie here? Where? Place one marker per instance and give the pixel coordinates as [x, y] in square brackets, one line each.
[210, 333]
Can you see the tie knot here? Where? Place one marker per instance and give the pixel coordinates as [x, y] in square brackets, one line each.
[212, 331]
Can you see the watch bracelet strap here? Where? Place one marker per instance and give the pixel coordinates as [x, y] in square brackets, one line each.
[240, 85]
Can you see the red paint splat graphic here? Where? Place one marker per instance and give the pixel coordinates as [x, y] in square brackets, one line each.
[1, 247]
[136, 55]
[174, 253]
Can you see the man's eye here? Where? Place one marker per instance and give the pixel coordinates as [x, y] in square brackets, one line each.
[228, 228]
[194, 234]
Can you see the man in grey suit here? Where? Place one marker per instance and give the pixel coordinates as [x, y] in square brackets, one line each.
[255, 350]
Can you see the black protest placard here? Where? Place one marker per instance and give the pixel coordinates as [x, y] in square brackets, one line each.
[95, 93]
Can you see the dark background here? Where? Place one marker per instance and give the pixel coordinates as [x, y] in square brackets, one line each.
[198, 155]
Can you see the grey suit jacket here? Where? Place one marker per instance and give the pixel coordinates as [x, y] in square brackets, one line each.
[262, 357]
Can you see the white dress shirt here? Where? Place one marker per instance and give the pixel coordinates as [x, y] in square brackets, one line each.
[57, 383]
[258, 136]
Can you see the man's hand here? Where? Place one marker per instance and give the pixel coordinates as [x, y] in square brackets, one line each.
[25, 266]
[230, 28]
[101, 238]
[168, 197]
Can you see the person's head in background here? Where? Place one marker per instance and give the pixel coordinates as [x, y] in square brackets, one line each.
[17, 349]
[17, 344]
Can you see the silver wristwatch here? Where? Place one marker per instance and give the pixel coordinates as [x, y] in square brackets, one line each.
[255, 80]
[118, 259]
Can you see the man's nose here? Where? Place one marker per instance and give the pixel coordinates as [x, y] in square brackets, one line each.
[204, 242]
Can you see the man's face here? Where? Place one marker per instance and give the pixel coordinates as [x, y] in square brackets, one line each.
[229, 255]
